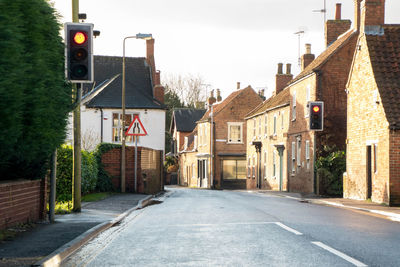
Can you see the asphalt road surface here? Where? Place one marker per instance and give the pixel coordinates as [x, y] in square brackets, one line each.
[230, 228]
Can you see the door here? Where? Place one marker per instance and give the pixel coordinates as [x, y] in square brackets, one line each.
[369, 172]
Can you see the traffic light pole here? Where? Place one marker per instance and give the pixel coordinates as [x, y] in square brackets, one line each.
[76, 176]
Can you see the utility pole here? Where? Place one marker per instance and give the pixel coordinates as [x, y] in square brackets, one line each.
[77, 92]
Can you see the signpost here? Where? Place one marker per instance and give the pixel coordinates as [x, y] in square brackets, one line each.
[136, 129]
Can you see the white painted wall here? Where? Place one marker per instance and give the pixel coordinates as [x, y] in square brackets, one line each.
[153, 121]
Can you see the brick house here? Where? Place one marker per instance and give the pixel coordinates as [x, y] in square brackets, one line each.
[218, 156]
[267, 128]
[373, 125]
[321, 79]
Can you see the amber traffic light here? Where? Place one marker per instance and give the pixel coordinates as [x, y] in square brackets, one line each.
[79, 55]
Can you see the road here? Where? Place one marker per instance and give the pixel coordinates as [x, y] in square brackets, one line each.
[231, 228]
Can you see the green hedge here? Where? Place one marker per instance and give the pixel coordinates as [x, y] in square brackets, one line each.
[330, 169]
[64, 173]
[104, 183]
[34, 97]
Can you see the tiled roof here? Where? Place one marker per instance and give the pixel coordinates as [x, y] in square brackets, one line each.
[185, 119]
[218, 107]
[317, 63]
[282, 98]
[384, 52]
[138, 86]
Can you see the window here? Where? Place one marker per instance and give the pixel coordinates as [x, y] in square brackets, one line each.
[249, 167]
[265, 164]
[275, 124]
[274, 164]
[308, 154]
[294, 106]
[298, 151]
[195, 143]
[259, 126]
[293, 156]
[266, 124]
[306, 111]
[254, 166]
[235, 133]
[254, 127]
[185, 145]
[234, 169]
[200, 135]
[282, 119]
[376, 158]
[117, 127]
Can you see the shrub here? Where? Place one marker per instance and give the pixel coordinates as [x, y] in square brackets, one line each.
[34, 97]
[64, 173]
[330, 169]
[104, 183]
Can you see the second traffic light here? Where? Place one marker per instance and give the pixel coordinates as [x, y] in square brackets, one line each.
[316, 115]
[79, 52]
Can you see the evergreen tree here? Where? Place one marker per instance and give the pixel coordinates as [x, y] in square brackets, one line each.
[43, 99]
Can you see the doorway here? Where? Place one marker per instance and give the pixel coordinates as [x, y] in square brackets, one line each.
[369, 172]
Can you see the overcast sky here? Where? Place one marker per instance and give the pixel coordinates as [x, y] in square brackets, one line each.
[224, 41]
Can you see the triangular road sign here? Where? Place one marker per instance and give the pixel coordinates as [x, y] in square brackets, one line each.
[136, 128]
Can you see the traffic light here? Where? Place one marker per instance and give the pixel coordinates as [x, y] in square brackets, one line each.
[79, 52]
[316, 115]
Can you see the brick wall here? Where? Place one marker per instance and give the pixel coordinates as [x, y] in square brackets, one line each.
[22, 201]
[149, 163]
[366, 126]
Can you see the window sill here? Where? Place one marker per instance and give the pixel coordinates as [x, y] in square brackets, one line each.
[234, 143]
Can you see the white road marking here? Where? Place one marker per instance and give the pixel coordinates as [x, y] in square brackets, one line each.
[287, 228]
[340, 254]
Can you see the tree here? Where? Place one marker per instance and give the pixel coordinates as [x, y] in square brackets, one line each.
[189, 88]
[34, 97]
[171, 100]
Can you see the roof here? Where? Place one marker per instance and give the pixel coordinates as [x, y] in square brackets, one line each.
[218, 107]
[317, 63]
[384, 50]
[281, 99]
[185, 119]
[108, 84]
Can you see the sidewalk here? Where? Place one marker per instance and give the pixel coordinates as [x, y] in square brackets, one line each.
[368, 207]
[48, 241]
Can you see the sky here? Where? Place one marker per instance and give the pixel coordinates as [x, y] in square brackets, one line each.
[223, 41]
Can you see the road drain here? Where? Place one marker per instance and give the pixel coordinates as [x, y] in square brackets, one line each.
[304, 201]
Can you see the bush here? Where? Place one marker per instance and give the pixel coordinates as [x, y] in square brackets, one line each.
[34, 97]
[64, 173]
[104, 183]
[330, 169]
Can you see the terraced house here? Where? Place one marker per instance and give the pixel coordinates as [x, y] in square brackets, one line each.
[215, 153]
[373, 127]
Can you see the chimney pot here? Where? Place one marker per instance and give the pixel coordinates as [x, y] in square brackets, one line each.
[238, 85]
[308, 49]
[219, 98]
[280, 68]
[288, 69]
[338, 12]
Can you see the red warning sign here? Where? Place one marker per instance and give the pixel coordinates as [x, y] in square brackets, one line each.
[136, 128]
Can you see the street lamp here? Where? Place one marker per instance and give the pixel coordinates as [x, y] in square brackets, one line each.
[145, 36]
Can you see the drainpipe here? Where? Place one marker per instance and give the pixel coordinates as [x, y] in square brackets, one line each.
[211, 147]
[101, 125]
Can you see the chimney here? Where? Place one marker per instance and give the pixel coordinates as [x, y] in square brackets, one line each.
[334, 28]
[158, 89]
[238, 85]
[219, 98]
[372, 13]
[307, 58]
[211, 99]
[150, 58]
[282, 79]
[357, 14]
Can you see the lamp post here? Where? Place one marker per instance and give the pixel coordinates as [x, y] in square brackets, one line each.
[144, 36]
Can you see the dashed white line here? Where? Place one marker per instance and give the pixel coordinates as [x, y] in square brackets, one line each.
[340, 254]
[287, 228]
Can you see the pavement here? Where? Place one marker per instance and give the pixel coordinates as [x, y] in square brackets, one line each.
[48, 244]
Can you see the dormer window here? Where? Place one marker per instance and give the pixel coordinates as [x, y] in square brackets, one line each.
[185, 145]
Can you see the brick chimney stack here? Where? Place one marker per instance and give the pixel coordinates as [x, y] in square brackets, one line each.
[334, 28]
[372, 13]
[158, 89]
[282, 79]
[357, 14]
[307, 58]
